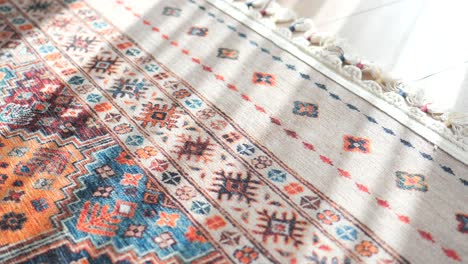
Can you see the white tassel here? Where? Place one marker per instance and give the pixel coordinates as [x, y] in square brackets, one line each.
[388, 82]
[394, 99]
[371, 72]
[373, 86]
[437, 110]
[336, 50]
[253, 13]
[393, 85]
[319, 39]
[416, 113]
[284, 15]
[353, 71]
[353, 60]
[333, 60]
[309, 33]
[371, 76]
[302, 25]
[458, 118]
[417, 99]
[460, 131]
[458, 122]
[271, 9]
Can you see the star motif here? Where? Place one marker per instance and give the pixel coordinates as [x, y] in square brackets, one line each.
[166, 219]
[131, 179]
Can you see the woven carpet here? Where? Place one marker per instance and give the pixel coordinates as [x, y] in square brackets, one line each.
[170, 132]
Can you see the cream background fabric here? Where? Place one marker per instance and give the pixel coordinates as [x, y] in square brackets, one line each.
[433, 210]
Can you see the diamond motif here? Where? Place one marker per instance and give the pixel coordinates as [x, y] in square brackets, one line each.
[356, 144]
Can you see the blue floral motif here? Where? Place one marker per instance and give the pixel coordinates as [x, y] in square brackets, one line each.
[277, 175]
[200, 207]
[193, 103]
[152, 67]
[99, 24]
[46, 49]
[5, 9]
[134, 140]
[347, 233]
[133, 88]
[76, 80]
[94, 98]
[18, 20]
[245, 149]
[133, 52]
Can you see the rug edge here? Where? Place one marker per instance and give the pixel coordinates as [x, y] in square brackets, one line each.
[426, 127]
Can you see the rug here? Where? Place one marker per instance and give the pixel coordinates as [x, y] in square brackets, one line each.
[171, 132]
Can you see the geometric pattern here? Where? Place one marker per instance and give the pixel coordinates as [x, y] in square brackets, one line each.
[305, 109]
[356, 144]
[104, 220]
[198, 31]
[37, 177]
[407, 181]
[264, 79]
[155, 114]
[225, 53]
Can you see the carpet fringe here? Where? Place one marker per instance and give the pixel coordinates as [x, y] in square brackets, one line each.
[328, 49]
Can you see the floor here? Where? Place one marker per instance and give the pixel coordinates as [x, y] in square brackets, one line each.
[421, 41]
